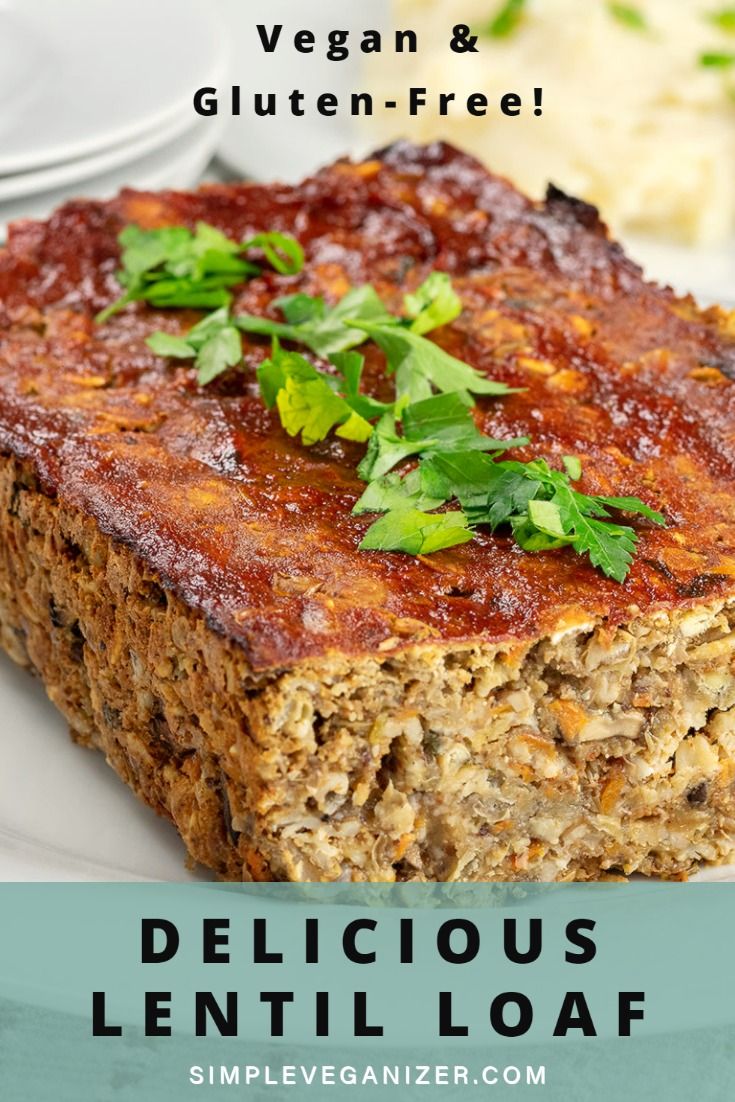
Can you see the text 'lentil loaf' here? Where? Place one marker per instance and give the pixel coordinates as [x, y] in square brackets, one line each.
[185, 579]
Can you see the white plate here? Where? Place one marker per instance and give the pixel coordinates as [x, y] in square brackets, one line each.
[178, 164]
[22, 184]
[127, 76]
[707, 272]
[64, 814]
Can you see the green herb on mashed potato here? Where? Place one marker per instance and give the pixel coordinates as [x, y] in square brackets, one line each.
[631, 17]
[619, 84]
[506, 20]
[724, 19]
[716, 60]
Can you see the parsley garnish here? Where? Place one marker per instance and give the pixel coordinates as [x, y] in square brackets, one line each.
[631, 17]
[310, 322]
[214, 343]
[174, 266]
[310, 402]
[434, 304]
[506, 20]
[539, 504]
[419, 364]
[416, 533]
[396, 491]
[283, 253]
[424, 449]
[442, 423]
[715, 60]
[724, 19]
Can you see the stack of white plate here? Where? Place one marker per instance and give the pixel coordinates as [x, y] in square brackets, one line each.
[96, 95]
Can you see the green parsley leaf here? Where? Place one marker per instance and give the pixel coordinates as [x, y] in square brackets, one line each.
[271, 375]
[284, 254]
[489, 492]
[214, 344]
[714, 60]
[166, 344]
[629, 16]
[457, 474]
[309, 407]
[300, 308]
[441, 423]
[208, 294]
[447, 420]
[610, 546]
[572, 466]
[324, 331]
[415, 532]
[553, 480]
[144, 250]
[724, 19]
[434, 304]
[175, 267]
[350, 365]
[420, 364]
[539, 504]
[546, 516]
[531, 538]
[510, 488]
[307, 399]
[334, 332]
[629, 505]
[396, 491]
[506, 20]
[386, 449]
[220, 351]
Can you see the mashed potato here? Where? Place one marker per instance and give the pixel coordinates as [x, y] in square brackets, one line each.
[632, 120]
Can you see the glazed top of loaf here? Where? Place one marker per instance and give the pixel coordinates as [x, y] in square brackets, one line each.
[255, 530]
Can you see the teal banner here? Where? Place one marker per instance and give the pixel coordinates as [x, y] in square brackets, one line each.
[163, 991]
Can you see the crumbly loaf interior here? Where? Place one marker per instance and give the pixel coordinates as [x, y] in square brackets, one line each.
[595, 749]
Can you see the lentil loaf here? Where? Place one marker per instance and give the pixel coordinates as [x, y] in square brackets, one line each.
[185, 579]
